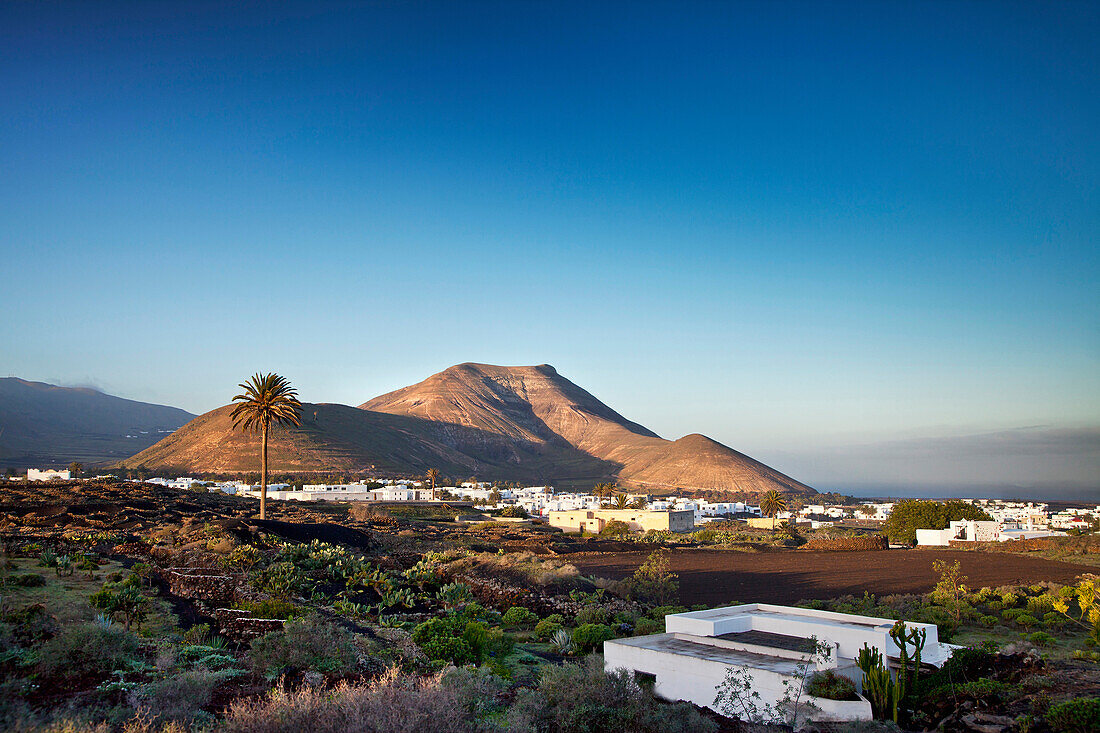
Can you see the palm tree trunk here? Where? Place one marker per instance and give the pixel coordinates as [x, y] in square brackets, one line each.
[263, 476]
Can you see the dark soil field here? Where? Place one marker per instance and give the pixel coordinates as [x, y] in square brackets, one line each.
[716, 576]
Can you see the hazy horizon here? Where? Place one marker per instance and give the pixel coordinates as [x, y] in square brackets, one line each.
[856, 242]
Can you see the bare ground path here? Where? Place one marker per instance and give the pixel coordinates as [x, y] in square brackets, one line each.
[719, 576]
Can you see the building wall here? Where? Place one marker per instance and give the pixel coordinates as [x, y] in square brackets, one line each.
[35, 474]
[594, 520]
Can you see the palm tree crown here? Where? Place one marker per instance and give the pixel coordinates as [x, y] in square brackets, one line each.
[267, 399]
[772, 503]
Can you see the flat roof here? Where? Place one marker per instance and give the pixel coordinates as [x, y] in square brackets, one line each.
[770, 640]
[669, 644]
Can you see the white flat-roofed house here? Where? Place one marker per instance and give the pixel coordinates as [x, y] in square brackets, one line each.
[47, 474]
[690, 660]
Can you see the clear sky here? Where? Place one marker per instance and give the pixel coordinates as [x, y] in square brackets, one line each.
[832, 236]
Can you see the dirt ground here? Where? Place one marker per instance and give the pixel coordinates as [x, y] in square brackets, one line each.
[716, 576]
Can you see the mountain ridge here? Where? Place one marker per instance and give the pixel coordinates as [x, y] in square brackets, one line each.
[496, 422]
[42, 423]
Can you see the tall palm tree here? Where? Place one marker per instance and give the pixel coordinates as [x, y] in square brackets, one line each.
[433, 476]
[267, 399]
[772, 503]
[603, 491]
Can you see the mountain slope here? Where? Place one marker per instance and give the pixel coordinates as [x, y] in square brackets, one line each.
[44, 424]
[341, 438]
[536, 404]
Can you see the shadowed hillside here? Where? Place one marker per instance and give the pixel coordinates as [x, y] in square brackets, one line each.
[42, 423]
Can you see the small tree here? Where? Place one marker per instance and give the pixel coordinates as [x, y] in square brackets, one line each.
[621, 501]
[736, 698]
[654, 581]
[950, 591]
[433, 476]
[75, 468]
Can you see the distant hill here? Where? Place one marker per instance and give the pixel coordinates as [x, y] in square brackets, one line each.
[516, 423]
[45, 424]
[536, 405]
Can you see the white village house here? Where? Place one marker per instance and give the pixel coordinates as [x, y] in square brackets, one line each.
[691, 658]
[47, 474]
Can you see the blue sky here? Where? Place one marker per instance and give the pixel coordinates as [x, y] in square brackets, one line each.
[812, 231]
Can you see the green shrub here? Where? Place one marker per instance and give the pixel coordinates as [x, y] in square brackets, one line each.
[272, 608]
[590, 636]
[989, 621]
[1010, 614]
[86, 650]
[441, 640]
[545, 629]
[583, 698]
[831, 686]
[180, 697]
[646, 626]
[659, 612]
[307, 644]
[1040, 638]
[594, 614]
[27, 580]
[280, 579]
[1038, 605]
[1075, 716]
[615, 528]
[1027, 620]
[1054, 620]
[520, 617]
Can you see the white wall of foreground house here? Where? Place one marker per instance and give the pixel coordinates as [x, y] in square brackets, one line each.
[696, 679]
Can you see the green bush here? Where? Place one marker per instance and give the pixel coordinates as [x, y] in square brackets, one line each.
[589, 636]
[615, 528]
[307, 644]
[272, 608]
[86, 650]
[1010, 614]
[442, 640]
[1027, 620]
[520, 617]
[27, 580]
[1075, 716]
[831, 686]
[1040, 638]
[594, 614]
[989, 621]
[583, 698]
[545, 629]
[646, 626]
[180, 697]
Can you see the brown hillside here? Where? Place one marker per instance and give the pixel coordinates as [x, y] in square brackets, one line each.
[537, 405]
[341, 438]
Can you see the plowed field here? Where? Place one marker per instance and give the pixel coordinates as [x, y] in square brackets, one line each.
[716, 576]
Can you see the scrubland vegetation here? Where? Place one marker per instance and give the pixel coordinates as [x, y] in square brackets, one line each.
[271, 630]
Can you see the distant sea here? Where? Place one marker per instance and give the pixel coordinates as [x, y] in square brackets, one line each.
[1073, 494]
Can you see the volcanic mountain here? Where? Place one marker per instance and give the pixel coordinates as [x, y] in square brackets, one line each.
[43, 424]
[536, 406]
[515, 423]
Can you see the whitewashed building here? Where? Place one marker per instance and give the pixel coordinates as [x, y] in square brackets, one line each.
[47, 474]
[690, 660]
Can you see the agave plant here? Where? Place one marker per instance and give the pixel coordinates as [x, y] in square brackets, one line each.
[562, 643]
[103, 621]
[63, 565]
